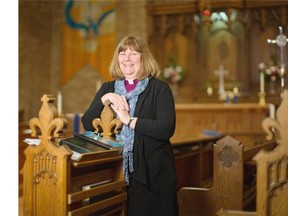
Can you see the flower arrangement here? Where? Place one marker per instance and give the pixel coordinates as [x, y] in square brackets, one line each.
[173, 73]
[271, 70]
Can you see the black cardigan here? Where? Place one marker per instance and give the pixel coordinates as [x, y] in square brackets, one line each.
[154, 164]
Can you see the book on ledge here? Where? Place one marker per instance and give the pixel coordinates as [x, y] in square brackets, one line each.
[90, 142]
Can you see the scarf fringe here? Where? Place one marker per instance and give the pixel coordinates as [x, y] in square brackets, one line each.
[127, 165]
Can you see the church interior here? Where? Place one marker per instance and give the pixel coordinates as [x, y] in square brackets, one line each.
[230, 59]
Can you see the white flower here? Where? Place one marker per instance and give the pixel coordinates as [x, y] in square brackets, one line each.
[261, 66]
[178, 69]
[268, 71]
[173, 74]
[271, 71]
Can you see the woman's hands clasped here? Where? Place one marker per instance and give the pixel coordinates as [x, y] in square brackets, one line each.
[118, 101]
[119, 104]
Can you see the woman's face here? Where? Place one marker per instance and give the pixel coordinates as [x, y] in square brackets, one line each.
[129, 62]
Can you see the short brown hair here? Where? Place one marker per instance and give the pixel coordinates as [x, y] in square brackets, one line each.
[149, 66]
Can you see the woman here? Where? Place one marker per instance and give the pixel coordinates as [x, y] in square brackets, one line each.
[145, 106]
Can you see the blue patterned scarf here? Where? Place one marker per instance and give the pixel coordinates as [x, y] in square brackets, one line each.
[127, 134]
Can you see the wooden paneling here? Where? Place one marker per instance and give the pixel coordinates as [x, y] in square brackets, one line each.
[193, 119]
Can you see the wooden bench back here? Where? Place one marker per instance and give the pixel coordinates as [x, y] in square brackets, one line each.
[46, 167]
[227, 182]
[272, 168]
[229, 175]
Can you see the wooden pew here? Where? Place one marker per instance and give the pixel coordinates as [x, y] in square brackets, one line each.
[55, 184]
[232, 180]
[194, 156]
[229, 119]
[272, 169]
[194, 150]
[194, 160]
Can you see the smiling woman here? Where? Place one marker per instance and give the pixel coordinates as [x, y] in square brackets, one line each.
[129, 62]
[145, 106]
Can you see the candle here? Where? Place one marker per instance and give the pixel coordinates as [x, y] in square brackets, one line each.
[76, 122]
[272, 111]
[210, 91]
[262, 87]
[59, 103]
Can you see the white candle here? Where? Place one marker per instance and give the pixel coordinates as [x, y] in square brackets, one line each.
[262, 82]
[59, 103]
[272, 111]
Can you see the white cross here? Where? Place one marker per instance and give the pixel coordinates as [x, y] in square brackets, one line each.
[281, 41]
[221, 73]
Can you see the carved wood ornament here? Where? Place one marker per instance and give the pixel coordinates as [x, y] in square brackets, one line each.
[182, 15]
[47, 163]
[108, 125]
[53, 181]
[228, 156]
[273, 166]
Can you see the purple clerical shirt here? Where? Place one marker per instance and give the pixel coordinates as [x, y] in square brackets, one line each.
[130, 84]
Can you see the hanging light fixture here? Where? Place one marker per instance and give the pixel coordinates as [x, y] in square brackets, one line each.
[205, 10]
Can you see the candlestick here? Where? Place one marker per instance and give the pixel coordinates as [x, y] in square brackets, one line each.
[262, 100]
[262, 82]
[59, 103]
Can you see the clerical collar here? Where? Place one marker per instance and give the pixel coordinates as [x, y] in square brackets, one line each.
[129, 81]
[130, 84]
